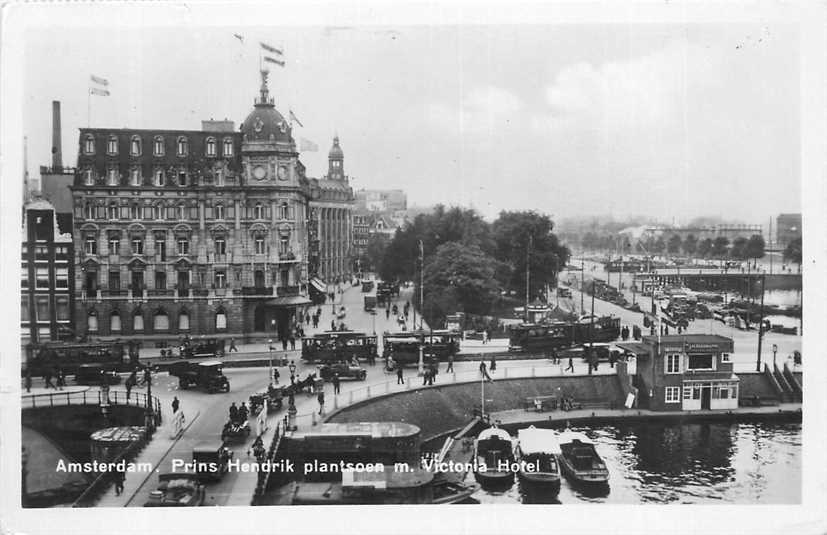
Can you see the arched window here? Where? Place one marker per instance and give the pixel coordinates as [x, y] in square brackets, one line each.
[183, 146]
[158, 211]
[219, 211]
[259, 211]
[112, 146]
[92, 321]
[138, 321]
[220, 320]
[89, 211]
[135, 176]
[115, 322]
[160, 321]
[112, 177]
[88, 177]
[219, 177]
[113, 211]
[183, 321]
[159, 178]
[135, 146]
[211, 146]
[158, 146]
[89, 144]
[285, 211]
[228, 147]
[135, 212]
[182, 212]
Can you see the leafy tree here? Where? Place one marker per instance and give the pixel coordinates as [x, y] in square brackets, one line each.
[793, 252]
[719, 247]
[755, 247]
[374, 253]
[690, 245]
[657, 246]
[705, 247]
[738, 251]
[674, 245]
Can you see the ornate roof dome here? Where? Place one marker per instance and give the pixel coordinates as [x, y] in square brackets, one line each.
[335, 151]
[265, 123]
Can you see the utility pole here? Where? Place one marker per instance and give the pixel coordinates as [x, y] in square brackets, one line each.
[760, 325]
[527, 277]
[421, 284]
[582, 285]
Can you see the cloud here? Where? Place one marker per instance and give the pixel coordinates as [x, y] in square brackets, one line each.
[482, 111]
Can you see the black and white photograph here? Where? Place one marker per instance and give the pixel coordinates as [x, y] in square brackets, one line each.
[451, 267]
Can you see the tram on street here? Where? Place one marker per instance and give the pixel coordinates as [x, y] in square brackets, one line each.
[69, 356]
[403, 347]
[541, 337]
[337, 346]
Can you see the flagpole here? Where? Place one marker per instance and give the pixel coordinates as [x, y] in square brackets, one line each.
[88, 107]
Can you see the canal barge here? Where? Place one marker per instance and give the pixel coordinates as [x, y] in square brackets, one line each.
[537, 452]
[494, 457]
[580, 461]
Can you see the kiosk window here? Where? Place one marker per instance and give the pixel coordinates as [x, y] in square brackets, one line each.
[700, 362]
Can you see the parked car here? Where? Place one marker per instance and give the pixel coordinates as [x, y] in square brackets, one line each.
[345, 371]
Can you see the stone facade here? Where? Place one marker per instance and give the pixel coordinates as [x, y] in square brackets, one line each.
[191, 232]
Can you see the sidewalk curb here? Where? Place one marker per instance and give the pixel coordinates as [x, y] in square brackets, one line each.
[164, 456]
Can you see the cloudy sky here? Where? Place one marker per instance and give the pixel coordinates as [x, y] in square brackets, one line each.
[675, 121]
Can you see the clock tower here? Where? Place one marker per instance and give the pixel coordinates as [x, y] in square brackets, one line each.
[336, 161]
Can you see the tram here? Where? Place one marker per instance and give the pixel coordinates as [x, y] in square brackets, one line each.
[555, 335]
[437, 345]
[68, 356]
[337, 346]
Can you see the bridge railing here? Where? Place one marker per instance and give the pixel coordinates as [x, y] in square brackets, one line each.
[104, 480]
[87, 397]
[264, 475]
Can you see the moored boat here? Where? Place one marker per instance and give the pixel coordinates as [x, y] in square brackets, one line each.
[494, 457]
[537, 451]
[579, 459]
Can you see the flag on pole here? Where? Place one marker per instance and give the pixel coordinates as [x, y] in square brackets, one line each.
[270, 48]
[239, 37]
[96, 91]
[305, 145]
[296, 119]
[98, 80]
[278, 62]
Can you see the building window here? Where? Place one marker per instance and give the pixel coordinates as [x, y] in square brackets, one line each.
[89, 144]
[159, 212]
[42, 308]
[24, 310]
[220, 320]
[89, 211]
[158, 146]
[725, 357]
[259, 245]
[182, 212]
[135, 146]
[42, 277]
[228, 147]
[183, 246]
[219, 211]
[211, 146]
[114, 245]
[220, 279]
[62, 308]
[88, 177]
[24, 277]
[701, 362]
[134, 212]
[90, 246]
[160, 280]
[284, 211]
[284, 245]
[112, 177]
[182, 178]
[92, 321]
[159, 178]
[115, 322]
[259, 211]
[673, 363]
[61, 277]
[137, 246]
[135, 177]
[112, 211]
[182, 146]
[673, 394]
[220, 246]
[112, 146]
[183, 321]
[219, 177]
[138, 322]
[114, 280]
[160, 321]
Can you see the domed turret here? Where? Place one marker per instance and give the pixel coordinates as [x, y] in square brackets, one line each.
[336, 161]
[265, 123]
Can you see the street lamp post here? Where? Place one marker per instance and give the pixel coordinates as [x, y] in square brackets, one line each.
[270, 349]
[774, 351]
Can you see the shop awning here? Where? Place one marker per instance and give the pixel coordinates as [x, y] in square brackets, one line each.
[318, 284]
[291, 301]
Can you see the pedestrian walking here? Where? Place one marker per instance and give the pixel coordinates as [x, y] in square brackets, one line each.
[450, 367]
[336, 383]
[400, 380]
[61, 379]
[292, 343]
[284, 343]
[129, 384]
[493, 366]
[243, 412]
[47, 377]
[276, 376]
[425, 375]
[147, 376]
[387, 313]
[233, 412]
[307, 319]
[571, 365]
[175, 404]
[484, 337]
[232, 346]
[119, 476]
[554, 358]
[333, 325]
[321, 403]
[28, 381]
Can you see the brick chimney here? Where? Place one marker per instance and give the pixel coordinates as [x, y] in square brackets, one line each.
[57, 153]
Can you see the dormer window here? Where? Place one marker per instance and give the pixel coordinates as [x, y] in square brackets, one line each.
[182, 146]
[211, 146]
[135, 146]
[89, 144]
[158, 146]
[228, 147]
[112, 146]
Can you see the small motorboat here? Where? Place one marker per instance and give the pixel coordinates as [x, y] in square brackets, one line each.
[494, 457]
[579, 459]
[537, 452]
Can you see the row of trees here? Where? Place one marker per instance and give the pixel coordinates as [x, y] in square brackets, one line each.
[741, 248]
[469, 262]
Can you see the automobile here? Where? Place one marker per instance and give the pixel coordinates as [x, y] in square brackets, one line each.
[345, 371]
[205, 375]
[202, 347]
[177, 490]
[92, 374]
[235, 431]
[211, 460]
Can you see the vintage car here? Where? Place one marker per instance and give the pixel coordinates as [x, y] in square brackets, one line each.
[211, 460]
[96, 374]
[274, 397]
[202, 347]
[345, 371]
[177, 490]
[235, 431]
[204, 375]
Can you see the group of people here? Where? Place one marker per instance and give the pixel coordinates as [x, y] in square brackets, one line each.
[56, 373]
[238, 415]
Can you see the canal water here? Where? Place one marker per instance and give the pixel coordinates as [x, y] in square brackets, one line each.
[696, 463]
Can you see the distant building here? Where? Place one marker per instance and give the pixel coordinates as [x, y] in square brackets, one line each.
[47, 274]
[712, 232]
[376, 200]
[788, 228]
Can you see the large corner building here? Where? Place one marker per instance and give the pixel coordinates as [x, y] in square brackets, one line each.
[211, 231]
